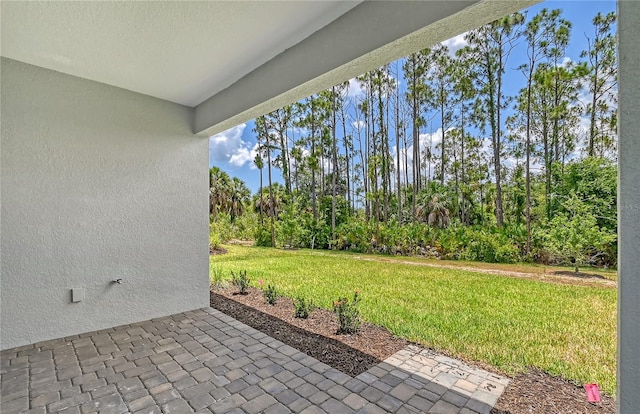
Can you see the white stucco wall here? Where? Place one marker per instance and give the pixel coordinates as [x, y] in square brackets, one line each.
[97, 183]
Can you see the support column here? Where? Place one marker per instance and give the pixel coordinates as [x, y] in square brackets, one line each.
[629, 208]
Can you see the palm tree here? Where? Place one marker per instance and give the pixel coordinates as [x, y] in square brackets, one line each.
[433, 208]
[239, 197]
[219, 191]
[271, 203]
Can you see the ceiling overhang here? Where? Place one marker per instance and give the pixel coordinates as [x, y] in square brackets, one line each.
[368, 36]
[183, 52]
[232, 61]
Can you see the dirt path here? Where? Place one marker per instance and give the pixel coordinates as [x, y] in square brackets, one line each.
[556, 276]
[576, 279]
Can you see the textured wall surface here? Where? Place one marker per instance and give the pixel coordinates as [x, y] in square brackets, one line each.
[629, 209]
[97, 183]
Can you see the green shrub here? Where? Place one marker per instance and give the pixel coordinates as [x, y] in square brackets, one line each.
[214, 241]
[263, 236]
[574, 237]
[245, 226]
[222, 226]
[217, 280]
[356, 235]
[241, 281]
[303, 307]
[271, 295]
[290, 227]
[491, 247]
[348, 314]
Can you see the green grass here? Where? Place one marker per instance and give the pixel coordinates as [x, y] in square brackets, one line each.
[534, 268]
[510, 323]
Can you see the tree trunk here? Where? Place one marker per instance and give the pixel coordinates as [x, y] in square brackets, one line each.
[528, 161]
[335, 166]
[547, 159]
[442, 128]
[397, 117]
[314, 206]
[261, 201]
[494, 115]
[271, 200]
[416, 141]
[346, 156]
[462, 174]
[594, 102]
[384, 149]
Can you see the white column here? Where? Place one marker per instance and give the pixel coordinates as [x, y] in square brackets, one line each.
[629, 208]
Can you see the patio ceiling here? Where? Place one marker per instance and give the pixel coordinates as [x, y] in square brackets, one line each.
[231, 60]
[183, 52]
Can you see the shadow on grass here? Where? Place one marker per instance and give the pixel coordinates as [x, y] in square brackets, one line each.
[579, 275]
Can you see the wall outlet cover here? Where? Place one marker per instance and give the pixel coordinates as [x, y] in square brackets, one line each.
[77, 295]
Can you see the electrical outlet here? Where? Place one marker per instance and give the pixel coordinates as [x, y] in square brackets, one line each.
[77, 295]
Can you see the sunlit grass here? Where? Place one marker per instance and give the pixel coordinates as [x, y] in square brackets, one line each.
[534, 268]
[510, 323]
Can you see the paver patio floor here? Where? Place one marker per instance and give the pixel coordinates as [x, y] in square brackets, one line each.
[207, 362]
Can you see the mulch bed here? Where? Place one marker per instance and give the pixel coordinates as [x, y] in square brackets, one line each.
[215, 251]
[537, 392]
[315, 336]
[528, 393]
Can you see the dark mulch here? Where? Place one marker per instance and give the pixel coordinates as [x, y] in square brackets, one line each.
[533, 392]
[214, 251]
[537, 392]
[315, 336]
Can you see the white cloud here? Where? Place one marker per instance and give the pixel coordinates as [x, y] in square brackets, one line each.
[432, 140]
[566, 62]
[300, 131]
[244, 155]
[455, 43]
[358, 124]
[228, 146]
[426, 140]
[355, 88]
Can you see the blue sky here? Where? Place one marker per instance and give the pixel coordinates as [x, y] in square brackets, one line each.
[233, 150]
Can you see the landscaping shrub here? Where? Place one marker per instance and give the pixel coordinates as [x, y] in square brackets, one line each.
[214, 241]
[217, 280]
[241, 281]
[303, 307]
[270, 295]
[348, 314]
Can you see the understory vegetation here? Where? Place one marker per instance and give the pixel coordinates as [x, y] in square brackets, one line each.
[581, 231]
[510, 323]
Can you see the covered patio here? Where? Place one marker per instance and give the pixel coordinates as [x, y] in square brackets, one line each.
[206, 362]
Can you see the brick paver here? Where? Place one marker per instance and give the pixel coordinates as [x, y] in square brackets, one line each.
[207, 362]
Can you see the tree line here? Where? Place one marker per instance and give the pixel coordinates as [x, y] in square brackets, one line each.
[524, 176]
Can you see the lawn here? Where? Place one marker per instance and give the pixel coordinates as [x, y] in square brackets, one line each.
[510, 323]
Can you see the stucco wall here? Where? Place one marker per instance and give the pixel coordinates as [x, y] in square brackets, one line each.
[629, 208]
[97, 183]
